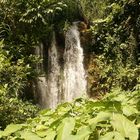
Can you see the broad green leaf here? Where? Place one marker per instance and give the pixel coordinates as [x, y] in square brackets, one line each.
[102, 116]
[84, 133]
[124, 126]
[50, 135]
[65, 128]
[11, 129]
[41, 133]
[40, 127]
[27, 135]
[77, 137]
[129, 110]
[1, 134]
[112, 136]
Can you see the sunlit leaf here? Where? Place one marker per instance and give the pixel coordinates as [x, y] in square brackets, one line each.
[27, 135]
[65, 128]
[112, 136]
[11, 129]
[124, 126]
[129, 110]
[50, 135]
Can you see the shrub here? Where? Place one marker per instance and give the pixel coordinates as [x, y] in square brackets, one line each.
[116, 116]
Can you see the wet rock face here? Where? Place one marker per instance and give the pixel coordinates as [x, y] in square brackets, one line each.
[82, 26]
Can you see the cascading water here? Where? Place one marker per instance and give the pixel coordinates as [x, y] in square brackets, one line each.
[39, 52]
[54, 75]
[74, 74]
[46, 87]
[40, 86]
[59, 85]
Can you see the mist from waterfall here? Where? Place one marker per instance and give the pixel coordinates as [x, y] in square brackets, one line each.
[74, 73]
[61, 83]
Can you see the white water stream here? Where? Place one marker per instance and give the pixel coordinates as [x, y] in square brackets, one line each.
[53, 75]
[74, 73]
[73, 82]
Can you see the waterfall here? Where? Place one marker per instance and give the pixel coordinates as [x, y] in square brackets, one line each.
[74, 73]
[40, 85]
[39, 52]
[40, 89]
[60, 83]
[46, 86]
[54, 75]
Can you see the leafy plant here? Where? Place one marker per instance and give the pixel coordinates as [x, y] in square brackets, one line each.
[13, 77]
[115, 45]
[108, 118]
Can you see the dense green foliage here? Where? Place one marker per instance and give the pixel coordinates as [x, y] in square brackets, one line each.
[112, 49]
[12, 80]
[115, 45]
[23, 24]
[115, 117]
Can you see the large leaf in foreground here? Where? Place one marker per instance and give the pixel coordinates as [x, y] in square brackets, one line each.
[65, 128]
[124, 126]
[11, 129]
[112, 136]
[27, 135]
[50, 135]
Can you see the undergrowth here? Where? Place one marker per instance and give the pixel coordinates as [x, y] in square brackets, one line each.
[114, 117]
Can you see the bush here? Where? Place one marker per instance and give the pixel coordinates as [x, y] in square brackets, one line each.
[115, 46]
[13, 78]
[116, 116]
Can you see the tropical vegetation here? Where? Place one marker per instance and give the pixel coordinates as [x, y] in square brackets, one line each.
[111, 40]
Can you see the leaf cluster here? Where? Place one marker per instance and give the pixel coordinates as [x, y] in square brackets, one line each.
[115, 45]
[114, 117]
[13, 77]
